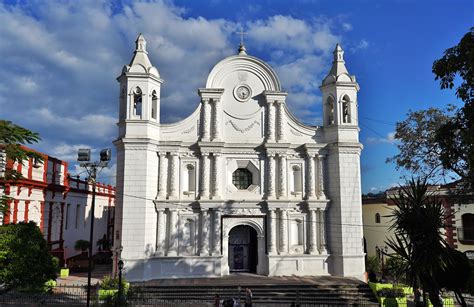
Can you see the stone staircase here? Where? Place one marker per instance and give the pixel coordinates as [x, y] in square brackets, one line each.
[267, 291]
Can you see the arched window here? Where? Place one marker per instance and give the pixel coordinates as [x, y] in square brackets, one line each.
[137, 102]
[242, 178]
[191, 177]
[330, 108]
[154, 105]
[467, 227]
[346, 109]
[377, 218]
[297, 184]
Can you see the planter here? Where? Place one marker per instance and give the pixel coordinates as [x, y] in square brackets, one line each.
[393, 301]
[64, 273]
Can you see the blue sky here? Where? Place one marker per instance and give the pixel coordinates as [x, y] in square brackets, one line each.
[60, 59]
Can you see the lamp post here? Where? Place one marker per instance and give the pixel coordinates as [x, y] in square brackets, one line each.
[120, 268]
[92, 168]
[381, 251]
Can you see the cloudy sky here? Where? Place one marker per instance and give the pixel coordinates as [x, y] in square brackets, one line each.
[59, 61]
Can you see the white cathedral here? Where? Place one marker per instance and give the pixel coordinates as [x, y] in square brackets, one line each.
[240, 185]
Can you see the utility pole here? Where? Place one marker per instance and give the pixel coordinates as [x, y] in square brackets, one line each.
[92, 168]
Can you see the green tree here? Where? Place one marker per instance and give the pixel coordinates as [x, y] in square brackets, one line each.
[11, 138]
[443, 139]
[25, 260]
[417, 223]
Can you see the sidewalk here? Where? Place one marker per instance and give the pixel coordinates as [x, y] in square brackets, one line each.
[80, 278]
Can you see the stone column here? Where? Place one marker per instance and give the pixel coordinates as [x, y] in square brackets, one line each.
[160, 232]
[216, 248]
[320, 191]
[271, 232]
[271, 122]
[216, 123]
[204, 249]
[173, 233]
[322, 231]
[163, 175]
[271, 176]
[282, 177]
[281, 121]
[283, 231]
[313, 226]
[216, 171]
[311, 183]
[205, 171]
[174, 175]
[206, 119]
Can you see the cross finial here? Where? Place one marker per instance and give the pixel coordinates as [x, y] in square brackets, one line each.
[242, 49]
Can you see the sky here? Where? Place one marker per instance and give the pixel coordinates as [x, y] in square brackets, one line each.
[59, 62]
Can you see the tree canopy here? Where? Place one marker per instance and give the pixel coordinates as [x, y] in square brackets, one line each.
[25, 260]
[443, 139]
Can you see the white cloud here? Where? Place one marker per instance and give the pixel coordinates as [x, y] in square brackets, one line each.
[362, 45]
[346, 26]
[390, 139]
[60, 60]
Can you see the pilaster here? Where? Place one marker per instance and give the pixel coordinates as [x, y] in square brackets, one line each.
[206, 119]
[271, 176]
[163, 175]
[204, 250]
[283, 192]
[313, 226]
[271, 222]
[160, 231]
[283, 231]
[217, 122]
[320, 190]
[174, 175]
[216, 249]
[322, 231]
[173, 233]
[216, 171]
[281, 121]
[205, 171]
[311, 181]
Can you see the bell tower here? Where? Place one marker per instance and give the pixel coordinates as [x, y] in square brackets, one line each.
[136, 146]
[140, 87]
[339, 89]
[341, 133]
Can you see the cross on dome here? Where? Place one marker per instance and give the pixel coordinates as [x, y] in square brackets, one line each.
[242, 49]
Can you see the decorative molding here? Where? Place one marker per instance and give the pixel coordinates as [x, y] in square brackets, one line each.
[189, 130]
[294, 132]
[242, 130]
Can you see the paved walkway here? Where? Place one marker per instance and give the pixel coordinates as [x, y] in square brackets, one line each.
[80, 278]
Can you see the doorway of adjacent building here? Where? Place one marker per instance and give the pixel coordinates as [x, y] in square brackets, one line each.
[243, 249]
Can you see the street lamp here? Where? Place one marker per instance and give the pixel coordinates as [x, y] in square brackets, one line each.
[381, 252]
[92, 168]
[120, 268]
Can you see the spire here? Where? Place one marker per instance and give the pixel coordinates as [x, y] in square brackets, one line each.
[140, 61]
[338, 65]
[140, 44]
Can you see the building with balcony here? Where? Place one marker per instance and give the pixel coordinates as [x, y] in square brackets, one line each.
[58, 204]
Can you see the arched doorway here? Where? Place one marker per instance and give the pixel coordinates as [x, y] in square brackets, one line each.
[243, 249]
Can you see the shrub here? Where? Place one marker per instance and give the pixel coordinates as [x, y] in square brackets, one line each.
[110, 283]
[25, 260]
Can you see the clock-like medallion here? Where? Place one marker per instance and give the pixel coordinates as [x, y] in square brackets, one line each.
[242, 92]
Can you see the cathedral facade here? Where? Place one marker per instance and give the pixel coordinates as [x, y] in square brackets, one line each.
[240, 185]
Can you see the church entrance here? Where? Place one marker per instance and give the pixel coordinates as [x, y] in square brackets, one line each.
[243, 249]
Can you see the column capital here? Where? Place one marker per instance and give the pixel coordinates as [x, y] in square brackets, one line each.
[174, 153]
[205, 100]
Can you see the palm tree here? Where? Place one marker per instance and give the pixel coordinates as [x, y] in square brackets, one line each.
[417, 223]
